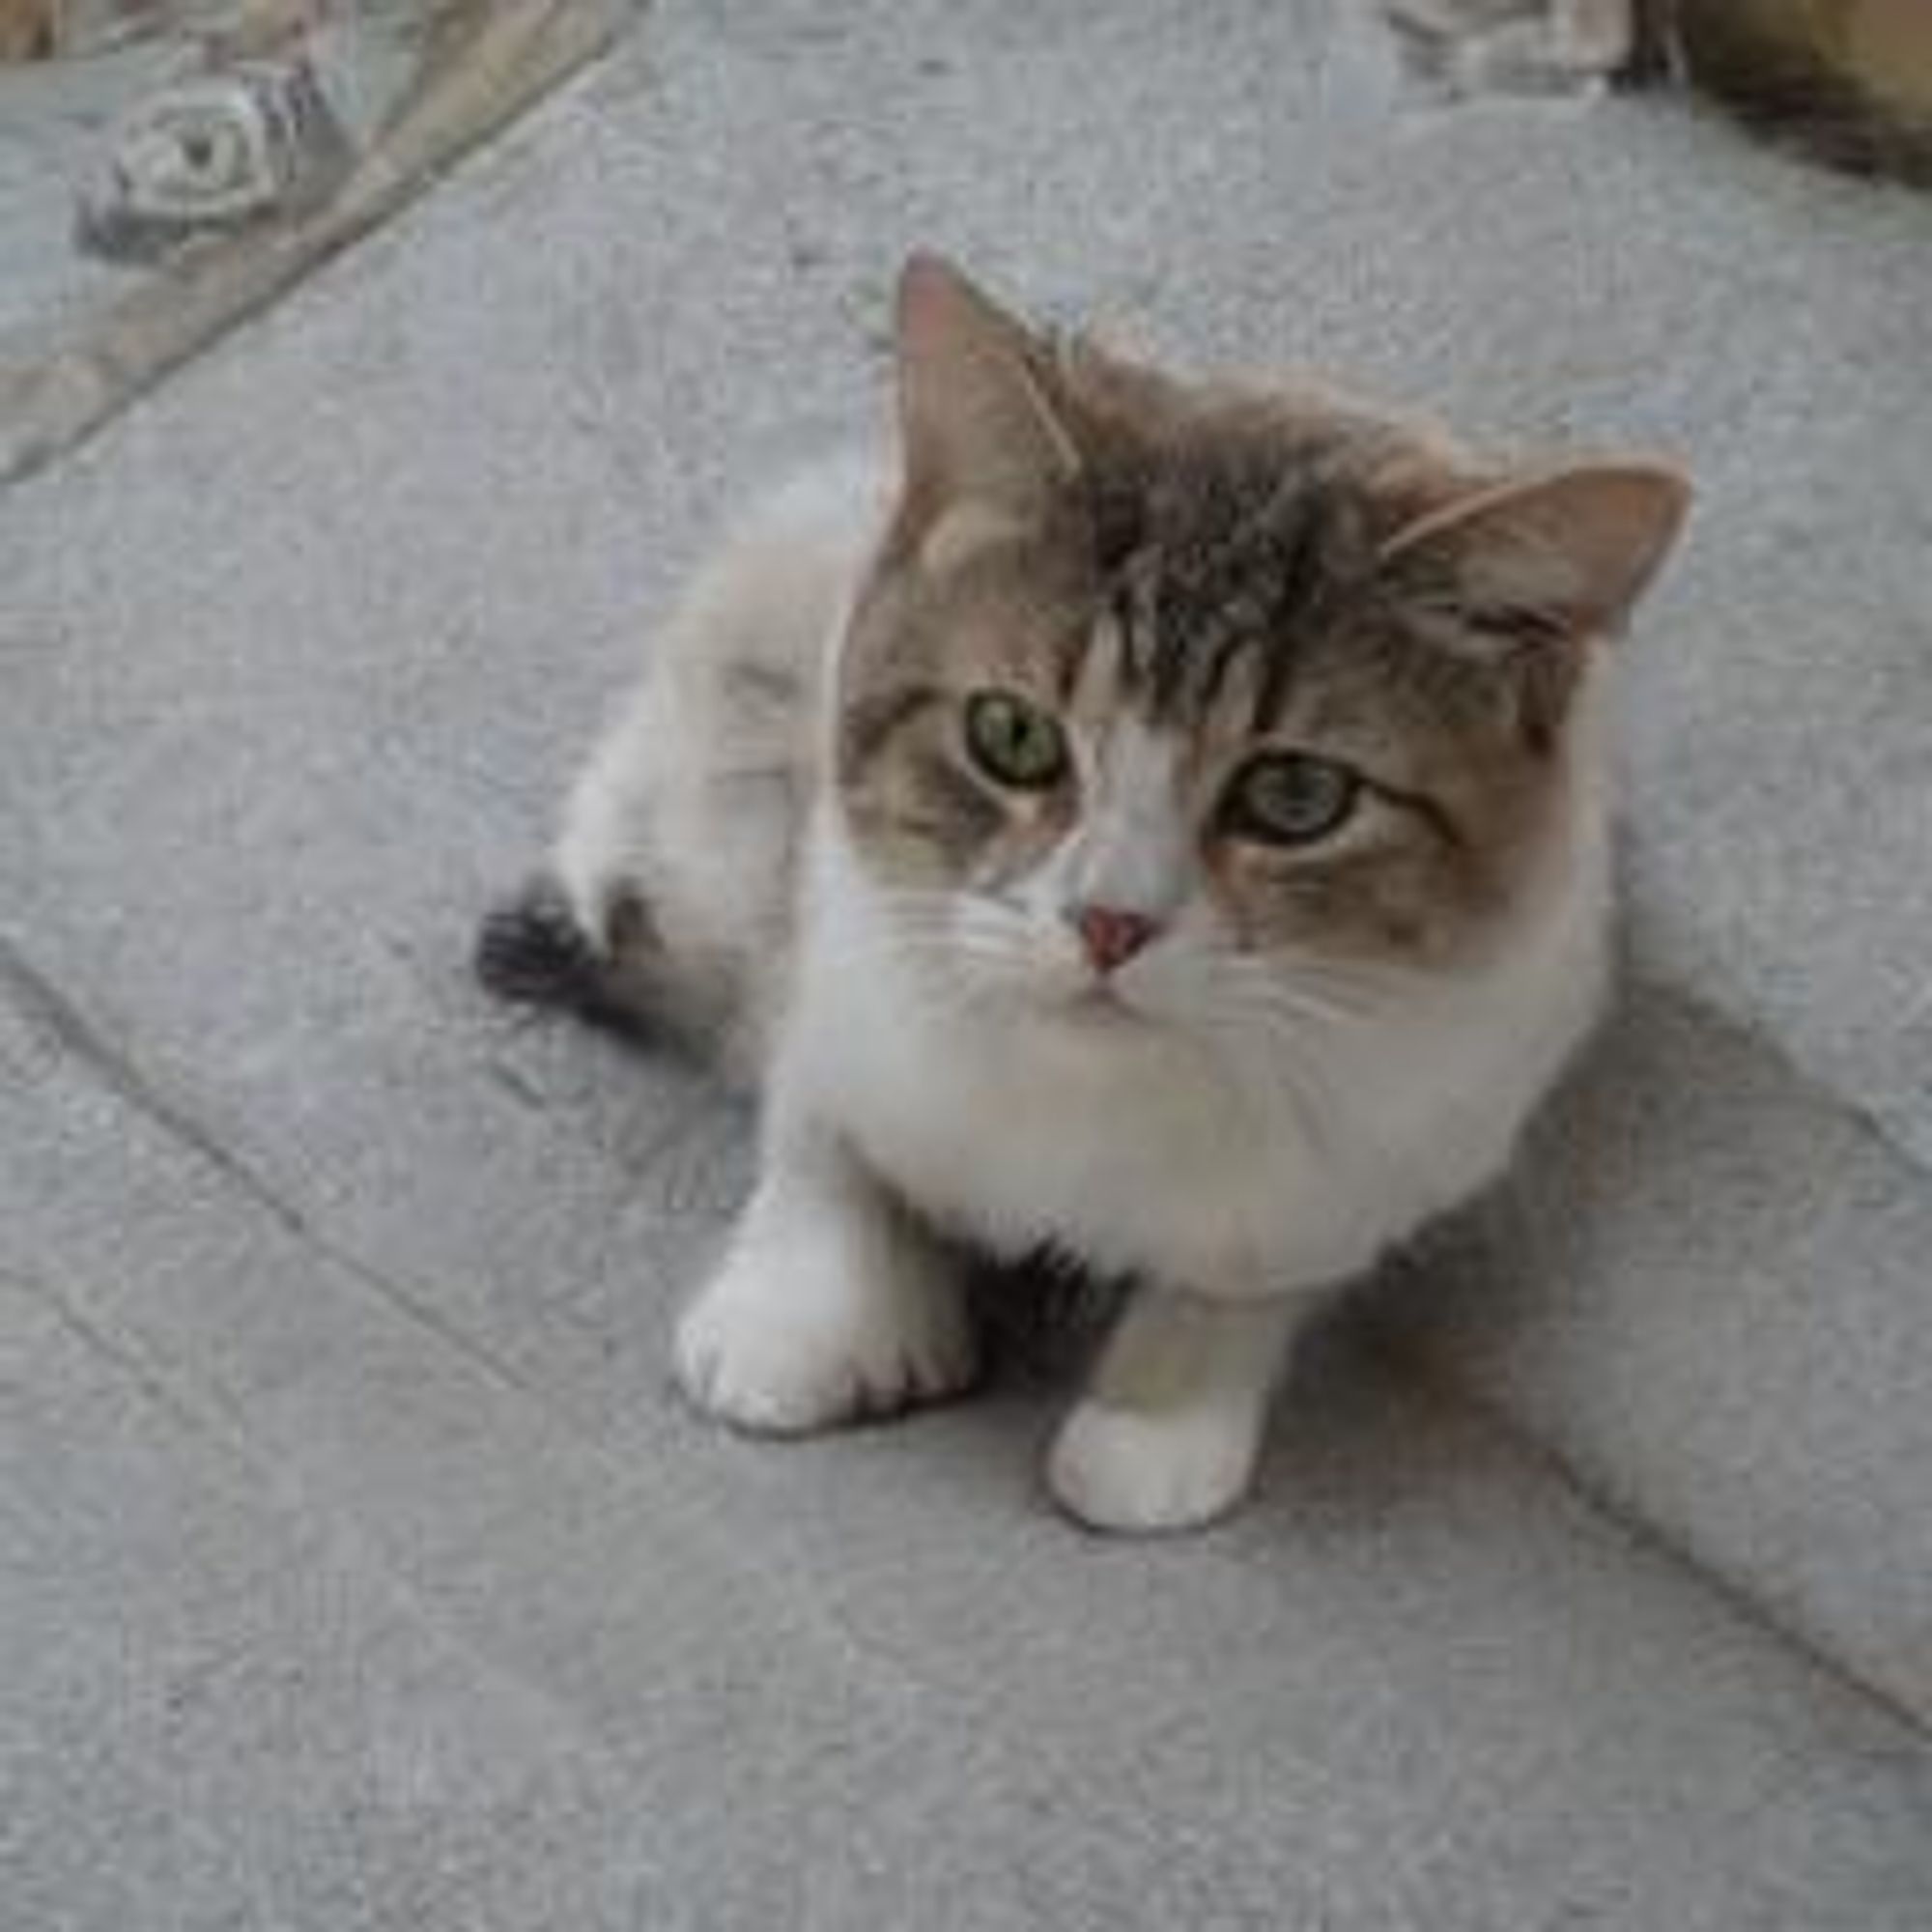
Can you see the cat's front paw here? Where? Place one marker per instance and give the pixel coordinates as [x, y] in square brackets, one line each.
[1137, 1471]
[783, 1345]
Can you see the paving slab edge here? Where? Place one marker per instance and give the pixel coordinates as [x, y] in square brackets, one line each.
[1427, 1317]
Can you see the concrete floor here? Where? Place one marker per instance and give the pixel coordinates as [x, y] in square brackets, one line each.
[359, 1568]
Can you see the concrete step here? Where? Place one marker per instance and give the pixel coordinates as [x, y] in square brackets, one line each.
[1705, 1289]
[349, 1593]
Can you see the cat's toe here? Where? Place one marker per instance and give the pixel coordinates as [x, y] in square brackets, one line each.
[1139, 1471]
[790, 1357]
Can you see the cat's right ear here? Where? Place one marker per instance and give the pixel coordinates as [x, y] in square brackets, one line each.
[985, 450]
[1563, 554]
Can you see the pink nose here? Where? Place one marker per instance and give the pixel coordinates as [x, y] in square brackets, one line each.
[1113, 937]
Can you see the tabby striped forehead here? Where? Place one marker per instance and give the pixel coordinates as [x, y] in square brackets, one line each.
[1219, 568]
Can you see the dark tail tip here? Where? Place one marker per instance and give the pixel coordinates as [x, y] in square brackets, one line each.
[532, 950]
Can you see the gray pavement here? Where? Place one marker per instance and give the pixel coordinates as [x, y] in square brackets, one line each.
[359, 1568]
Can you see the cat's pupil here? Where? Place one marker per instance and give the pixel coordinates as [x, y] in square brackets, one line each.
[1287, 798]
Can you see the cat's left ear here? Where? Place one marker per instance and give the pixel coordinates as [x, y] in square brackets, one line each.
[985, 445]
[1561, 556]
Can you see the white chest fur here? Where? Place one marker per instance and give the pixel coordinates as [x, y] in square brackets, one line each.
[1141, 1154]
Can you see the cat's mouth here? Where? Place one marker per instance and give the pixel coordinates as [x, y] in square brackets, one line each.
[1101, 1003]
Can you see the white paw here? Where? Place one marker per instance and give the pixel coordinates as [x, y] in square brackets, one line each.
[1141, 1470]
[782, 1344]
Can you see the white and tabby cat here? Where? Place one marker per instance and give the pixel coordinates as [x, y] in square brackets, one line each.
[1161, 823]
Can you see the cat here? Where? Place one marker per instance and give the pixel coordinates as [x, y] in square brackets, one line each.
[1157, 822]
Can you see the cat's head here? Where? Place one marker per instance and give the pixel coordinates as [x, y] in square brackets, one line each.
[1164, 699]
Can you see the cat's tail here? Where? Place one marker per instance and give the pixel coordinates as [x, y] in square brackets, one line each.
[533, 949]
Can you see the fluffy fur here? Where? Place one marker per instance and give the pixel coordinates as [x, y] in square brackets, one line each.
[1296, 910]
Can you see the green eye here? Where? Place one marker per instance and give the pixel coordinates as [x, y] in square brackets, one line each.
[1014, 742]
[1287, 798]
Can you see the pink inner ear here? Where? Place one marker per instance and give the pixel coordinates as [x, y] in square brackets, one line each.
[936, 298]
[1579, 546]
[976, 419]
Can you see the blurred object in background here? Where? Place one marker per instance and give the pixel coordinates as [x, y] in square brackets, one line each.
[254, 122]
[1453, 48]
[1848, 81]
[26, 29]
